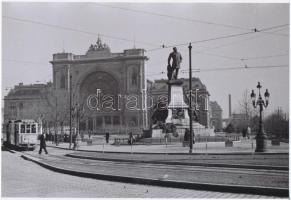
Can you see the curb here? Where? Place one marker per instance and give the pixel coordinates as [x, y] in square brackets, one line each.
[266, 167]
[268, 191]
[159, 153]
[11, 151]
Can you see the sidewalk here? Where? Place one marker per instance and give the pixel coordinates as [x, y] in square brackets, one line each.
[239, 147]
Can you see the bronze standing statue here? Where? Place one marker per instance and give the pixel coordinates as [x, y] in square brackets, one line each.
[173, 69]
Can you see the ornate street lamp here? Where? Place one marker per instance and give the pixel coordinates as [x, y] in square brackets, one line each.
[261, 137]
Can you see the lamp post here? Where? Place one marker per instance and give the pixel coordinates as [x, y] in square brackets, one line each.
[70, 102]
[190, 100]
[260, 137]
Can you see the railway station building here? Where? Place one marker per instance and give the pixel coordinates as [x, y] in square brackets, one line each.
[108, 92]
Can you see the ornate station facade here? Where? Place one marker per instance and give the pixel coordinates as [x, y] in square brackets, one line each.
[106, 90]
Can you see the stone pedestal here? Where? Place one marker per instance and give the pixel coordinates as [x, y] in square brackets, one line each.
[157, 133]
[177, 108]
[261, 142]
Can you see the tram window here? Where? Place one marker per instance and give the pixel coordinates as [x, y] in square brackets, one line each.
[22, 128]
[28, 128]
[33, 128]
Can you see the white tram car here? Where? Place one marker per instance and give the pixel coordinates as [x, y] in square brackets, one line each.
[22, 134]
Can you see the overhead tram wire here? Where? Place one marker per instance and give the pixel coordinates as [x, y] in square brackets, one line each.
[273, 27]
[241, 59]
[235, 68]
[136, 41]
[235, 58]
[265, 57]
[217, 38]
[128, 40]
[156, 74]
[216, 55]
[188, 19]
[160, 73]
[224, 69]
[238, 41]
[79, 31]
[265, 30]
[176, 17]
[201, 41]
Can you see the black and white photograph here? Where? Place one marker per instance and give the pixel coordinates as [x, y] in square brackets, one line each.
[157, 99]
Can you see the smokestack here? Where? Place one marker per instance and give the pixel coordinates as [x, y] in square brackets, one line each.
[229, 105]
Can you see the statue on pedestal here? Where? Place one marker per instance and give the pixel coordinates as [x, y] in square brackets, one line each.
[173, 69]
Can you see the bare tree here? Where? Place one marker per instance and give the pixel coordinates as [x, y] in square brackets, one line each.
[277, 124]
[242, 119]
[246, 106]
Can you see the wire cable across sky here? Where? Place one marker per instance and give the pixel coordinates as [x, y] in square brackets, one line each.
[218, 38]
[225, 69]
[79, 31]
[191, 20]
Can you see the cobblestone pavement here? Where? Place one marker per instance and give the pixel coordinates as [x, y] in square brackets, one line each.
[21, 178]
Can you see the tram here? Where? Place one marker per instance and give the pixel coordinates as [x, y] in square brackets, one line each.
[22, 134]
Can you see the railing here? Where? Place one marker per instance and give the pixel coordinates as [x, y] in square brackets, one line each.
[153, 141]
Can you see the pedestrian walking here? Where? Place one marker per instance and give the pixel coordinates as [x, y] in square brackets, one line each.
[75, 141]
[107, 138]
[42, 143]
[130, 138]
[89, 132]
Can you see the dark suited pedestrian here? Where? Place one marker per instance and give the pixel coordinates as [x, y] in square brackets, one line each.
[75, 141]
[42, 143]
[107, 137]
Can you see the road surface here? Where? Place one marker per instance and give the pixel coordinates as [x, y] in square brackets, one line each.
[21, 178]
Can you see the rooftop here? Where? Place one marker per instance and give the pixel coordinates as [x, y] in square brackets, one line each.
[98, 51]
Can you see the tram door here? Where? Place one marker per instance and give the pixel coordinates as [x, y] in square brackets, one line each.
[8, 133]
[16, 133]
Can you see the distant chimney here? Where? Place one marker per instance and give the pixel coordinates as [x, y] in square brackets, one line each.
[229, 105]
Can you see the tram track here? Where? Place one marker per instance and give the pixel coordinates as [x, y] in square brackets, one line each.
[101, 163]
[197, 162]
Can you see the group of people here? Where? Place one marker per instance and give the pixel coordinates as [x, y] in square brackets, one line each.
[44, 137]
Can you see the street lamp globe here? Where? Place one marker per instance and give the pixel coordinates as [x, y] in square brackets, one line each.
[259, 85]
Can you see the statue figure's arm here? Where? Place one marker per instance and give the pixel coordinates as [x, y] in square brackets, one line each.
[180, 58]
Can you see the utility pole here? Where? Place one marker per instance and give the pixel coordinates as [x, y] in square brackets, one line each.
[190, 99]
[56, 122]
[70, 111]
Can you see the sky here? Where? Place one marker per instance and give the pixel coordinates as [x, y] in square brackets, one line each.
[33, 32]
